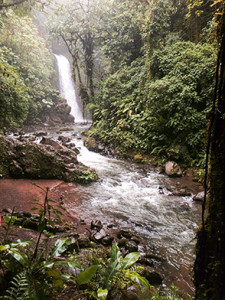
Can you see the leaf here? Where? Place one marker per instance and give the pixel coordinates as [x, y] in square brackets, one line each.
[54, 272]
[115, 253]
[19, 256]
[58, 283]
[87, 275]
[102, 294]
[130, 259]
[50, 222]
[60, 246]
[4, 247]
[136, 278]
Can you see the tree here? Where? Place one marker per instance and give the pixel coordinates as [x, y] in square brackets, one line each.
[210, 259]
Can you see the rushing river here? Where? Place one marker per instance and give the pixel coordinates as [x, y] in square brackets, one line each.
[128, 195]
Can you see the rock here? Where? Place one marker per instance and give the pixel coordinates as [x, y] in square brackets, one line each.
[111, 225]
[124, 232]
[172, 169]
[131, 246]
[91, 144]
[41, 133]
[64, 139]
[161, 190]
[83, 241]
[184, 206]
[96, 224]
[138, 158]
[122, 242]
[48, 160]
[66, 129]
[107, 240]
[7, 210]
[133, 293]
[152, 276]
[100, 235]
[199, 196]
[135, 239]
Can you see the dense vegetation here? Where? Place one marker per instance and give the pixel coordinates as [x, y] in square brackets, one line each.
[157, 78]
[26, 72]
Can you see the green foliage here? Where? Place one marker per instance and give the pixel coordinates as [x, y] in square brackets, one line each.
[114, 276]
[26, 70]
[160, 108]
[18, 289]
[174, 293]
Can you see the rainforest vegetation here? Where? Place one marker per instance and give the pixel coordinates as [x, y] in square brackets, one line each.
[148, 71]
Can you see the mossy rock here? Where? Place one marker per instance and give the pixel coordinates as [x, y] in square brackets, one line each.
[66, 129]
[138, 158]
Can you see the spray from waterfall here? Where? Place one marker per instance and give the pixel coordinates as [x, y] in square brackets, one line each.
[67, 88]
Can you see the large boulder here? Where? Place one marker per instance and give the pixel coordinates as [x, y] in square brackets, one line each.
[172, 169]
[49, 160]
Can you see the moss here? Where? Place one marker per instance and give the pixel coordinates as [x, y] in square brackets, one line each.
[86, 176]
[66, 129]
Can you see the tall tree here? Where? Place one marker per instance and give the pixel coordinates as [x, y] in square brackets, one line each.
[210, 259]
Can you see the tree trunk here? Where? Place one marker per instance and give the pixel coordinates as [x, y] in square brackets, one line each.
[210, 259]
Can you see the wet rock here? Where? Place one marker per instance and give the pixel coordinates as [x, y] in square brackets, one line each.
[132, 293]
[41, 133]
[184, 206]
[178, 191]
[96, 224]
[122, 242]
[138, 292]
[150, 255]
[131, 246]
[199, 197]
[48, 160]
[124, 232]
[91, 144]
[135, 239]
[7, 210]
[161, 190]
[64, 139]
[153, 277]
[15, 169]
[172, 169]
[138, 158]
[111, 225]
[107, 240]
[66, 129]
[83, 241]
[32, 138]
[100, 235]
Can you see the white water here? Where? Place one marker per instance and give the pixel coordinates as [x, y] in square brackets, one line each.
[130, 196]
[67, 89]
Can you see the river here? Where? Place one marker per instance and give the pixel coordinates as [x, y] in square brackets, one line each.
[129, 195]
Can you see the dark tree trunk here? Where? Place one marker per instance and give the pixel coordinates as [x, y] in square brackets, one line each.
[89, 63]
[210, 259]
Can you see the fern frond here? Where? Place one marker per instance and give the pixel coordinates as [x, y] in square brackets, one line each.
[19, 288]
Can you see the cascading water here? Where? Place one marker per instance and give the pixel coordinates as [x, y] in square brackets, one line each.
[67, 89]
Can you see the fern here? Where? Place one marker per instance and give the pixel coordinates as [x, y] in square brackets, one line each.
[19, 288]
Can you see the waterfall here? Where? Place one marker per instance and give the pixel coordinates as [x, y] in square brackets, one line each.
[67, 88]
